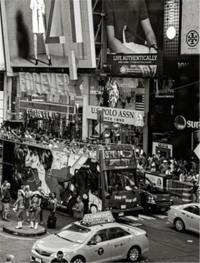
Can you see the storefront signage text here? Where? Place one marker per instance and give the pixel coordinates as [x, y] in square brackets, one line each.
[44, 83]
[131, 117]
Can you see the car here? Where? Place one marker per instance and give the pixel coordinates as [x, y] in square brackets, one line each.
[153, 198]
[97, 238]
[185, 217]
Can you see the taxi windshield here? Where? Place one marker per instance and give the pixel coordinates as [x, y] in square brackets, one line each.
[74, 233]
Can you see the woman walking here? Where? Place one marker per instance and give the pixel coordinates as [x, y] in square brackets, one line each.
[19, 208]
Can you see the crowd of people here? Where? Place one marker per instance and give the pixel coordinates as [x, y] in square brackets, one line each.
[28, 206]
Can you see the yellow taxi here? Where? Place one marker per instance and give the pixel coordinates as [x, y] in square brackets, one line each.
[97, 238]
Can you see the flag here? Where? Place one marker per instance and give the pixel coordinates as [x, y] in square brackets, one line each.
[139, 102]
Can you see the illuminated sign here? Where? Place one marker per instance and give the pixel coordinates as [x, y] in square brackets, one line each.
[181, 123]
[50, 33]
[171, 27]
[117, 157]
[123, 116]
[98, 218]
[190, 28]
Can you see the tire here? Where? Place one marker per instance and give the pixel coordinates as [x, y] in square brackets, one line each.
[78, 259]
[179, 225]
[93, 209]
[134, 254]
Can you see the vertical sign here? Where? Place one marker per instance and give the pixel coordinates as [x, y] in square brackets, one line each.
[190, 27]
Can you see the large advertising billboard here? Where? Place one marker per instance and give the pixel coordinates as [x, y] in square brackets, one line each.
[190, 27]
[134, 31]
[50, 33]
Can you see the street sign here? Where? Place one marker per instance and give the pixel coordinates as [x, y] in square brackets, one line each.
[197, 151]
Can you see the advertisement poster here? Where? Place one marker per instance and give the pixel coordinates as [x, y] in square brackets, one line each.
[190, 27]
[135, 37]
[50, 33]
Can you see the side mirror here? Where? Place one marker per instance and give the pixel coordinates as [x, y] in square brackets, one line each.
[92, 243]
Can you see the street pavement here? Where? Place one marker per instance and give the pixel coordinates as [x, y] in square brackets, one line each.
[166, 244]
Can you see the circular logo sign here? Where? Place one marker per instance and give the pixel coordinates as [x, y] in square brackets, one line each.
[180, 122]
[192, 38]
[123, 69]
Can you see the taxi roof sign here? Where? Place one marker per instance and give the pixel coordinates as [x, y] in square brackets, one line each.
[98, 218]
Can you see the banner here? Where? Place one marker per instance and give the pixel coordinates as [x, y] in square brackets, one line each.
[131, 51]
[190, 29]
[50, 33]
[115, 115]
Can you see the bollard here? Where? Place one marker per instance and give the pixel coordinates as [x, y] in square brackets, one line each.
[186, 195]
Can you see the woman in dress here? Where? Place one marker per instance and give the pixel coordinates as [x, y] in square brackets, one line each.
[38, 26]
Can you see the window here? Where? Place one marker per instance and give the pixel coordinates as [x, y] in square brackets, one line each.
[117, 232]
[193, 210]
[100, 236]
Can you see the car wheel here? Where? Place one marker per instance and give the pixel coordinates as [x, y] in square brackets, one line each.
[133, 254]
[93, 209]
[78, 259]
[179, 225]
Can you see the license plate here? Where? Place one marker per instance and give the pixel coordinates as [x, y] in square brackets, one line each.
[123, 206]
[121, 214]
[38, 260]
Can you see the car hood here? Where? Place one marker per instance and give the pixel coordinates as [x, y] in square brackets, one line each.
[53, 243]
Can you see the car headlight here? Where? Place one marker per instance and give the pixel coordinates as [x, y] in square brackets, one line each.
[34, 245]
[151, 199]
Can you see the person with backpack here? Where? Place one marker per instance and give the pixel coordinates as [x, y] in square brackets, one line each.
[19, 208]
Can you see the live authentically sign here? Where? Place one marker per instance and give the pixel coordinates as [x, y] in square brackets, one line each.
[123, 116]
[135, 65]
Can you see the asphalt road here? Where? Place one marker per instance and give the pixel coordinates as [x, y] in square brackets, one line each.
[166, 244]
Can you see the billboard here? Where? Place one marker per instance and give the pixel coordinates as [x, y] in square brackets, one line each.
[50, 33]
[190, 27]
[134, 30]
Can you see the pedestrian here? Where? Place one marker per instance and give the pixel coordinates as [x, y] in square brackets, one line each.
[35, 209]
[6, 199]
[27, 201]
[19, 208]
[59, 258]
[195, 192]
[78, 208]
[53, 203]
[42, 203]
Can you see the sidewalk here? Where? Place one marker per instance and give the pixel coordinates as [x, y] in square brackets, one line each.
[9, 227]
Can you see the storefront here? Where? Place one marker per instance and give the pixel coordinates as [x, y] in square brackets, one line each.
[114, 111]
[49, 102]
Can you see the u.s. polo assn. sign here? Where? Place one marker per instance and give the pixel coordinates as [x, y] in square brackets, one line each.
[123, 116]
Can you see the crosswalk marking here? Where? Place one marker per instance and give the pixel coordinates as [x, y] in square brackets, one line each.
[160, 216]
[146, 217]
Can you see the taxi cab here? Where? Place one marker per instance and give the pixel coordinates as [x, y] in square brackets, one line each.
[185, 217]
[97, 238]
